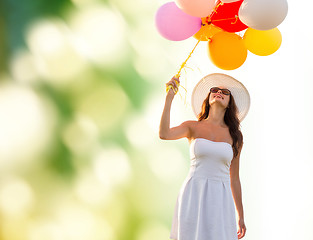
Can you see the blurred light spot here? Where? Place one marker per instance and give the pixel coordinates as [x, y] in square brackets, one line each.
[141, 37]
[138, 132]
[46, 37]
[16, 197]
[81, 135]
[140, 8]
[54, 49]
[26, 123]
[106, 105]
[79, 223]
[91, 190]
[111, 166]
[44, 229]
[23, 67]
[102, 32]
[152, 231]
[167, 163]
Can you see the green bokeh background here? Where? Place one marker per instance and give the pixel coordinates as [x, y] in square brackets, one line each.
[82, 89]
[80, 156]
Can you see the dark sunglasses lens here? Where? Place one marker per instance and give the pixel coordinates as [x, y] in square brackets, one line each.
[225, 91]
[214, 89]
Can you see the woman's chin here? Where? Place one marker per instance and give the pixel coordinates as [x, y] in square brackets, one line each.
[218, 101]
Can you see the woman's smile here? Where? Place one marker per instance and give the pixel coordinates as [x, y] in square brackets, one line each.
[218, 96]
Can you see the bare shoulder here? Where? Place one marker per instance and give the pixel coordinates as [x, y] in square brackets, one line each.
[190, 123]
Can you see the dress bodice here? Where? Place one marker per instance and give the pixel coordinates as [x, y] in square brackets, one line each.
[210, 159]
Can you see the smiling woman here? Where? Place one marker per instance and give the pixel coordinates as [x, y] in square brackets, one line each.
[228, 102]
[205, 203]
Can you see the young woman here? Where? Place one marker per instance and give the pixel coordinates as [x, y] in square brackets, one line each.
[205, 204]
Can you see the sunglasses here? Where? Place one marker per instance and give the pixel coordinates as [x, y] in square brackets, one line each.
[216, 89]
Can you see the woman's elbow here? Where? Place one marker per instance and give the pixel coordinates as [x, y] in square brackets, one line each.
[162, 136]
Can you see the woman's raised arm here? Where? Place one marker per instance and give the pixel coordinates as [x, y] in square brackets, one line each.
[165, 132]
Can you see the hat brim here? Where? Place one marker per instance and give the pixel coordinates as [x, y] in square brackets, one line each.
[238, 91]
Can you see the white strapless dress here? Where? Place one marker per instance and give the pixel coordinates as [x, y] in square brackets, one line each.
[205, 207]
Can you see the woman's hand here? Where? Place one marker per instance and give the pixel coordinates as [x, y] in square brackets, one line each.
[242, 228]
[175, 83]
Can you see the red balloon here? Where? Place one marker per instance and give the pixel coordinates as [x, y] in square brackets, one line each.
[226, 16]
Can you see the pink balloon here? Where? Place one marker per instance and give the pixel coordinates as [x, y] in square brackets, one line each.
[197, 8]
[173, 24]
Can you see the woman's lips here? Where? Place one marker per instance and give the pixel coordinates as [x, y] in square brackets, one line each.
[218, 95]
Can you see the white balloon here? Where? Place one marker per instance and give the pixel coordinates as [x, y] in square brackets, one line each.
[229, 1]
[263, 14]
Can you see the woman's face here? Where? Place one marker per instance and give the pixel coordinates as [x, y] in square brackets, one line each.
[219, 98]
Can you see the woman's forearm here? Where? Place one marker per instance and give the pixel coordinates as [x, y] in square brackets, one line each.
[165, 119]
[172, 87]
[236, 191]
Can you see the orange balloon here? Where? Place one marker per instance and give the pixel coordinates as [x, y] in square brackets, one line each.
[227, 50]
[206, 32]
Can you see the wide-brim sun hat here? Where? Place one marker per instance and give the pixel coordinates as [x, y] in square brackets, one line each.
[238, 91]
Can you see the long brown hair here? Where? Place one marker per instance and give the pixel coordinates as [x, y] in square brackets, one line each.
[230, 119]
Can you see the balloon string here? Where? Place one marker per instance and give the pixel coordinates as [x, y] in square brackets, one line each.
[215, 8]
[183, 65]
[235, 20]
[224, 19]
[209, 18]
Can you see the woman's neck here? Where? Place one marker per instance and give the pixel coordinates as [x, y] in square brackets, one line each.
[216, 115]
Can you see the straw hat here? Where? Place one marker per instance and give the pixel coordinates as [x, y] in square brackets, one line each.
[238, 91]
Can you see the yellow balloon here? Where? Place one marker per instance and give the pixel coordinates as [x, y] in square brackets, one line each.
[262, 43]
[206, 32]
[227, 50]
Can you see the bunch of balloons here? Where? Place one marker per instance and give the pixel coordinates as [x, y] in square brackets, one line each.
[219, 22]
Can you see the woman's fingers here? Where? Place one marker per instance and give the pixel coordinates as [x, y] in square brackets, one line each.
[241, 229]
[175, 78]
[175, 81]
[241, 232]
[171, 84]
